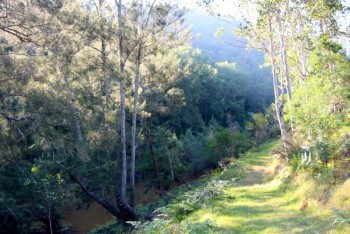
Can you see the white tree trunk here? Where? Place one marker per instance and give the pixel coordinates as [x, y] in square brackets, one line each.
[279, 106]
[286, 67]
[122, 104]
[134, 118]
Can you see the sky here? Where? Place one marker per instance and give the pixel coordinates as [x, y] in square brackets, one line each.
[229, 8]
[219, 6]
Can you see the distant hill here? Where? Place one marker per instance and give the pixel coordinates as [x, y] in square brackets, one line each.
[227, 47]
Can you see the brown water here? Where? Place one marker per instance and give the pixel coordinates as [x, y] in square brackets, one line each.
[85, 219]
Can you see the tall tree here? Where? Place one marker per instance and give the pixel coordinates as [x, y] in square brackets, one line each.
[262, 35]
[157, 25]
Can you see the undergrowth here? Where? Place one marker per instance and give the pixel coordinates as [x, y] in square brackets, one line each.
[253, 195]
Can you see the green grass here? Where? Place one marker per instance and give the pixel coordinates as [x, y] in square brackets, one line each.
[255, 203]
[260, 206]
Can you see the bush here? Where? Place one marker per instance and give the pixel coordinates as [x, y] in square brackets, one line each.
[341, 217]
[111, 227]
[295, 162]
[323, 151]
[203, 227]
[192, 201]
[341, 196]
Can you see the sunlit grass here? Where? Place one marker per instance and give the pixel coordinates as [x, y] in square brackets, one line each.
[262, 207]
[262, 201]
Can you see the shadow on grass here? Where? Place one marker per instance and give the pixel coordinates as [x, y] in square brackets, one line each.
[253, 160]
[261, 208]
[296, 224]
[262, 196]
[243, 211]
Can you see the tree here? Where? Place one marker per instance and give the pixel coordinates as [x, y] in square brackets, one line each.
[122, 61]
[157, 26]
[262, 35]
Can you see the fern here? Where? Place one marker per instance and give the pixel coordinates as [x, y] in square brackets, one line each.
[341, 217]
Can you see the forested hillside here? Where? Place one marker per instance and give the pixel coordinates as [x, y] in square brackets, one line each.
[124, 106]
[214, 35]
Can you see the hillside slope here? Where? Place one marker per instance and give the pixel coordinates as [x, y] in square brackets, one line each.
[260, 206]
[256, 201]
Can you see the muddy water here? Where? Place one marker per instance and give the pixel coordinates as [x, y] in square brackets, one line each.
[85, 219]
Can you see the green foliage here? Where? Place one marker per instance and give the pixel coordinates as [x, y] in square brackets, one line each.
[194, 151]
[222, 144]
[323, 151]
[232, 93]
[327, 92]
[186, 202]
[13, 195]
[170, 155]
[226, 143]
[258, 128]
[60, 107]
[341, 217]
[323, 117]
[295, 162]
[193, 200]
[111, 227]
[46, 186]
[203, 227]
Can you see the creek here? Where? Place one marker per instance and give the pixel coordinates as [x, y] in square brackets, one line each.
[84, 219]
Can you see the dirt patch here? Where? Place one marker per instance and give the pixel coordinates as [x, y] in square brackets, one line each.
[258, 174]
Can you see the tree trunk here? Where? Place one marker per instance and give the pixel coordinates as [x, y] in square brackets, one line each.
[304, 72]
[171, 168]
[284, 56]
[50, 221]
[286, 67]
[123, 143]
[124, 211]
[279, 106]
[122, 104]
[104, 81]
[154, 160]
[128, 213]
[133, 133]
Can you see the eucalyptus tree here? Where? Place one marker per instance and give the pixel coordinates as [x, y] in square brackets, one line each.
[158, 24]
[141, 31]
[262, 34]
[60, 71]
[303, 30]
[122, 60]
[282, 24]
[94, 35]
[263, 31]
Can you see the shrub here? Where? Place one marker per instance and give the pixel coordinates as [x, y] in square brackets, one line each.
[111, 227]
[341, 196]
[203, 227]
[341, 217]
[192, 201]
[323, 151]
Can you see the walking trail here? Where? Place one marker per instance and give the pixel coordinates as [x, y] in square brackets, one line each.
[258, 204]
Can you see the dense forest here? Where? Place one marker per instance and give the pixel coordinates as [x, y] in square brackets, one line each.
[133, 105]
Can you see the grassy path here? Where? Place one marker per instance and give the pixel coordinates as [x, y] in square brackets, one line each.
[258, 205]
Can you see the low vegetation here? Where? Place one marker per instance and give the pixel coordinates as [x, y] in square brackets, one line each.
[254, 195]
